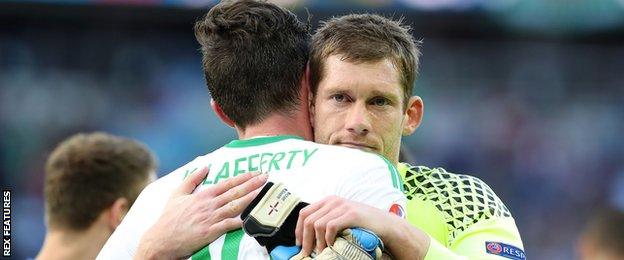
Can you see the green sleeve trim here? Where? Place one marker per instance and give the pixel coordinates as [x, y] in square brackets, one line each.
[260, 141]
[231, 244]
[203, 254]
[397, 182]
[403, 168]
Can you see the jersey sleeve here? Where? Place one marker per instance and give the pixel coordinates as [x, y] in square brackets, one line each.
[122, 244]
[490, 239]
[376, 182]
[486, 239]
[473, 222]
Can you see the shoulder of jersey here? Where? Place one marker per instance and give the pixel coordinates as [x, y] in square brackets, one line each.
[462, 199]
[173, 178]
[346, 155]
[325, 149]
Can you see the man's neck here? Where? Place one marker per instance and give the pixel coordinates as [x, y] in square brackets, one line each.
[279, 124]
[61, 244]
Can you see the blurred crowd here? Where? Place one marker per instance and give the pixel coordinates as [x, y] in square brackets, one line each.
[539, 121]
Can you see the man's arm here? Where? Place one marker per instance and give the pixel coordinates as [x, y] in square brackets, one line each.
[467, 210]
[320, 222]
[190, 221]
[373, 183]
[492, 238]
[403, 240]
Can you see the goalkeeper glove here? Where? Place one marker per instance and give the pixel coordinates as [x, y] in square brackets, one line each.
[271, 218]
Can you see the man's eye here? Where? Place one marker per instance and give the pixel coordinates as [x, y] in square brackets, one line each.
[380, 102]
[339, 98]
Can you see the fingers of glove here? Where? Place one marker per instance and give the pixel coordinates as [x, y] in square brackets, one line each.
[191, 182]
[241, 189]
[229, 184]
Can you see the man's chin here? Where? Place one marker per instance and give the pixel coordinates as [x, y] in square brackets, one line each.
[359, 147]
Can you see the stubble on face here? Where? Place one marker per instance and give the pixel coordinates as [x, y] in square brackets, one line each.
[360, 105]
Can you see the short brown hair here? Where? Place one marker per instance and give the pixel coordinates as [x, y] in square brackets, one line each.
[366, 38]
[86, 173]
[254, 57]
[606, 231]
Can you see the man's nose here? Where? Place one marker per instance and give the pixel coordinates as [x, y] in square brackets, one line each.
[357, 121]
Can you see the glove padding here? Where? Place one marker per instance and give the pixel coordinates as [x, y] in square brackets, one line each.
[351, 244]
[354, 243]
[271, 218]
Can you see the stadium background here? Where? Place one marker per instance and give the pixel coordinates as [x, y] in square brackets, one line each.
[525, 94]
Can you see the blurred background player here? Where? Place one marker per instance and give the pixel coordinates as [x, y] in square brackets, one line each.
[91, 180]
[603, 237]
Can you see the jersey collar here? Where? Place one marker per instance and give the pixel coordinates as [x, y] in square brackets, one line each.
[255, 141]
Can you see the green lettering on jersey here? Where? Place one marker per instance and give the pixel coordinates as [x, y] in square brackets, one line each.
[237, 169]
[292, 156]
[224, 173]
[206, 181]
[262, 161]
[275, 160]
[250, 163]
[307, 155]
[188, 172]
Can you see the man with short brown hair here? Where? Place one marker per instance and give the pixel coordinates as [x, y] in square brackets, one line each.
[363, 68]
[91, 180]
[370, 62]
[362, 38]
[603, 237]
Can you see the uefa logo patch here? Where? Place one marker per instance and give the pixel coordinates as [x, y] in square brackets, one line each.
[504, 250]
[494, 248]
[396, 209]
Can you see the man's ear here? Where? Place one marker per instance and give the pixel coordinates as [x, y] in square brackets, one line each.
[224, 118]
[413, 115]
[117, 211]
[308, 87]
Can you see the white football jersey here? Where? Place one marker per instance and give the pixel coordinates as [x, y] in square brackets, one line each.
[311, 171]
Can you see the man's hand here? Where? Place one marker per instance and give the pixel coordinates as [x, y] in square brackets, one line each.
[190, 221]
[319, 223]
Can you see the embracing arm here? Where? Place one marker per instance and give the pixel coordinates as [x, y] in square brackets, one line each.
[319, 223]
[190, 221]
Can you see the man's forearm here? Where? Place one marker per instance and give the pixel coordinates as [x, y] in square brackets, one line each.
[404, 241]
[189, 221]
[150, 251]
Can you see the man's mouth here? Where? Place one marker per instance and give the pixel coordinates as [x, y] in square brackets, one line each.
[361, 146]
